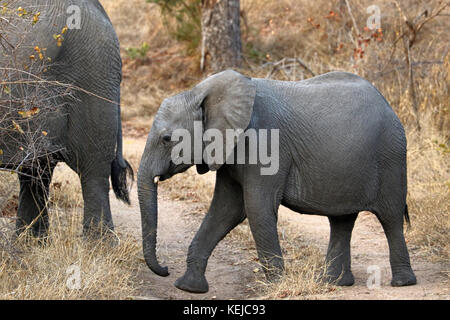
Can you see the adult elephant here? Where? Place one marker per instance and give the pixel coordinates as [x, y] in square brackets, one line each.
[341, 150]
[68, 56]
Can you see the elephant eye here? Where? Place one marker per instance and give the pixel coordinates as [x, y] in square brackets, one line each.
[167, 138]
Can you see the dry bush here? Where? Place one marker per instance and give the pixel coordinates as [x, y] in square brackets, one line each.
[323, 35]
[428, 195]
[27, 100]
[29, 270]
[65, 190]
[320, 33]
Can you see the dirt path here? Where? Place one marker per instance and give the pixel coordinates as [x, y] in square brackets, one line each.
[230, 268]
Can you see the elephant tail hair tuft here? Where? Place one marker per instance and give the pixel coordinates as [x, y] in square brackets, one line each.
[121, 171]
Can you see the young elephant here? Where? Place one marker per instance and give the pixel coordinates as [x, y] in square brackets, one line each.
[340, 150]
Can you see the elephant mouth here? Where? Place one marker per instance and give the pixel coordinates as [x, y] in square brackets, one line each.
[172, 170]
[165, 177]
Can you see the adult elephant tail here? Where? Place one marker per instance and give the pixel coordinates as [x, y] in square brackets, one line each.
[121, 170]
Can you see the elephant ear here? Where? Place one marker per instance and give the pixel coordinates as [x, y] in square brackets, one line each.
[227, 103]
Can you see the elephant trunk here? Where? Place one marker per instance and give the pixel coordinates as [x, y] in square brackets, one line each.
[148, 201]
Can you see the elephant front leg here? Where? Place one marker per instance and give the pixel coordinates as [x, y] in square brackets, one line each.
[338, 254]
[226, 212]
[97, 218]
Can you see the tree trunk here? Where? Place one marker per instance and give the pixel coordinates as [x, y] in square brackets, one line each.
[221, 35]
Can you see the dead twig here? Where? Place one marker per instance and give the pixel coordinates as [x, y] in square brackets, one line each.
[409, 36]
[286, 64]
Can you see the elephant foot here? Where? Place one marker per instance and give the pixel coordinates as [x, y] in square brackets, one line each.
[344, 279]
[44, 241]
[41, 234]
[107, 237]
[403, 278]
[191, 283]
[97, 231]
[274, 275]
[32, 235]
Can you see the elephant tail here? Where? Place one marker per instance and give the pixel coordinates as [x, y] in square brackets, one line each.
[121, 170]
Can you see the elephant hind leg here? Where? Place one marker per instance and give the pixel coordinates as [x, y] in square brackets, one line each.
[392, 222]
[262, 214]
[97, 219]
[32, 213]
[391, 211]
[338, 254]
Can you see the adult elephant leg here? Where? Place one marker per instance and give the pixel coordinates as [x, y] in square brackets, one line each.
[391, 211]
[226, 212]
[33, 197]
[261, 207]
[97, 218]
[402, 273]
[338, 255]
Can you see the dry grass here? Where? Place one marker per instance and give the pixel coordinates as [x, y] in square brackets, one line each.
[29, 270]
[304, 265]
[429, 197]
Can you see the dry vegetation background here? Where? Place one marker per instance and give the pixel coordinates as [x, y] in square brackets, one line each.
[275, 33]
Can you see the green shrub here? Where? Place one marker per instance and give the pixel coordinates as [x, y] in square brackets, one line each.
[182, 18]
[138, 53]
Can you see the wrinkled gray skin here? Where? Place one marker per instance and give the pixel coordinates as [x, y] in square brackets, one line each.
[86, 130]
[342, 151]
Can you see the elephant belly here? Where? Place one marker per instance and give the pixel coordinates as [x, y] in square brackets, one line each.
[330, 191]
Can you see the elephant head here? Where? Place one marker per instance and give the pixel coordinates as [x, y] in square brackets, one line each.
[222, 101]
